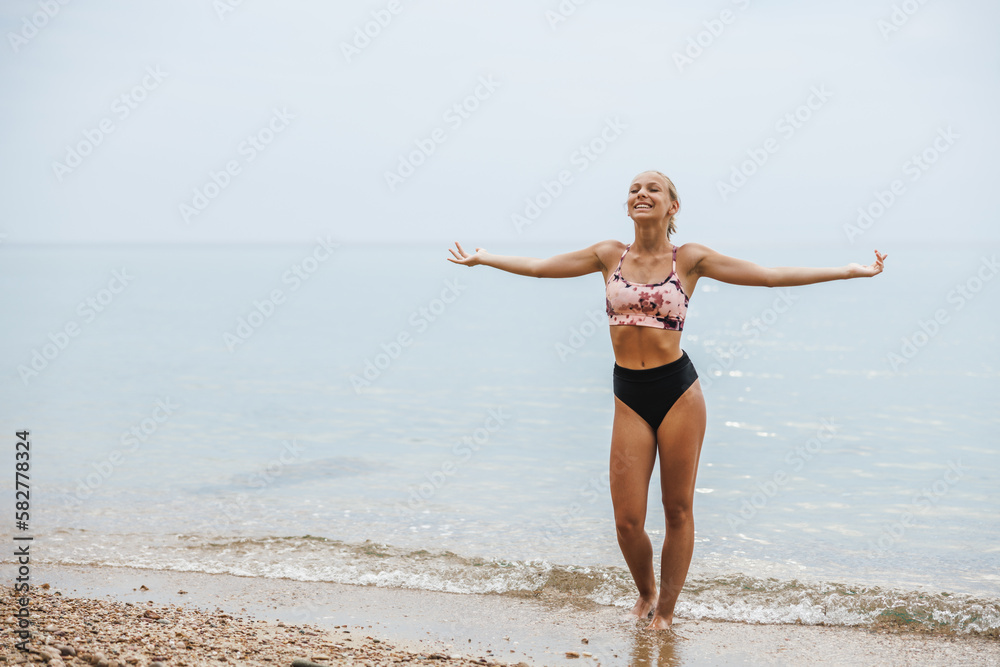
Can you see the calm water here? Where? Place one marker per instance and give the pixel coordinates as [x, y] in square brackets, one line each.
[392, 418]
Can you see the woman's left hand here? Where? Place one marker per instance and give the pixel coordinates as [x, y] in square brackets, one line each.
[859, 271]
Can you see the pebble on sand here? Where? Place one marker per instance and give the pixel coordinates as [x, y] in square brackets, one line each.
[78, 631]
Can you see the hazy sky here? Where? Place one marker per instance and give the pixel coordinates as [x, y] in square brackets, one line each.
[264, 121]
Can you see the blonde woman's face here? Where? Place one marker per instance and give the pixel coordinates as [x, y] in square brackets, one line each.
[648, 196]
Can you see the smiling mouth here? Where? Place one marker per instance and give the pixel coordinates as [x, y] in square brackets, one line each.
[643, 207]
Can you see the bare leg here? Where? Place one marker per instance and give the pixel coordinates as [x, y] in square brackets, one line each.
[679, 441]
[633, 454]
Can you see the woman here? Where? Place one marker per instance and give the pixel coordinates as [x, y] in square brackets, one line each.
[659, 407]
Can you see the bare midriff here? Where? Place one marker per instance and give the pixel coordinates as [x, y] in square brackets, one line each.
[644, 347]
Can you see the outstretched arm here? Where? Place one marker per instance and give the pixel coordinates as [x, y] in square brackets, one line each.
[567, 265]
[710, 264]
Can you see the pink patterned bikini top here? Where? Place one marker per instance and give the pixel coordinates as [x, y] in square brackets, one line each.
[663, 305]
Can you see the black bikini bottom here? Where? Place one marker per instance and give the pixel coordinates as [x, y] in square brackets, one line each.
[651, 392]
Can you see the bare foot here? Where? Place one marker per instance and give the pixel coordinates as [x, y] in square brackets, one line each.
[660, 623]
[642, 609]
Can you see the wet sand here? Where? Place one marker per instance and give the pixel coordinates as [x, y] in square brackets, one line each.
[228, 620]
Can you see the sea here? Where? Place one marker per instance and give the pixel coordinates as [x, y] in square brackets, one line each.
[373, 414]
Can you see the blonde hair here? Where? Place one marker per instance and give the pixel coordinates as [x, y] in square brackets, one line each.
[672, 191]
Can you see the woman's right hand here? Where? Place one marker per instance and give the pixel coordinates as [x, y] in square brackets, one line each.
[465, 259]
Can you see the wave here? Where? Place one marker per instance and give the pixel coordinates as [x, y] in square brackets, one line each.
[724, 597]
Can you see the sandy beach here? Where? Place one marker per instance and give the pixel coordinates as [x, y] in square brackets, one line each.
[148, 618]
[108, 633]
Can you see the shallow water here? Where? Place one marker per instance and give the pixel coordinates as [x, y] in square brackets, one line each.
[835, 477]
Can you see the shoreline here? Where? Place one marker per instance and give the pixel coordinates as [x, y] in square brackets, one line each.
[128, 634]
[274, 621]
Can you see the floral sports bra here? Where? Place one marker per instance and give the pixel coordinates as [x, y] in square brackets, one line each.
[663, 305]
